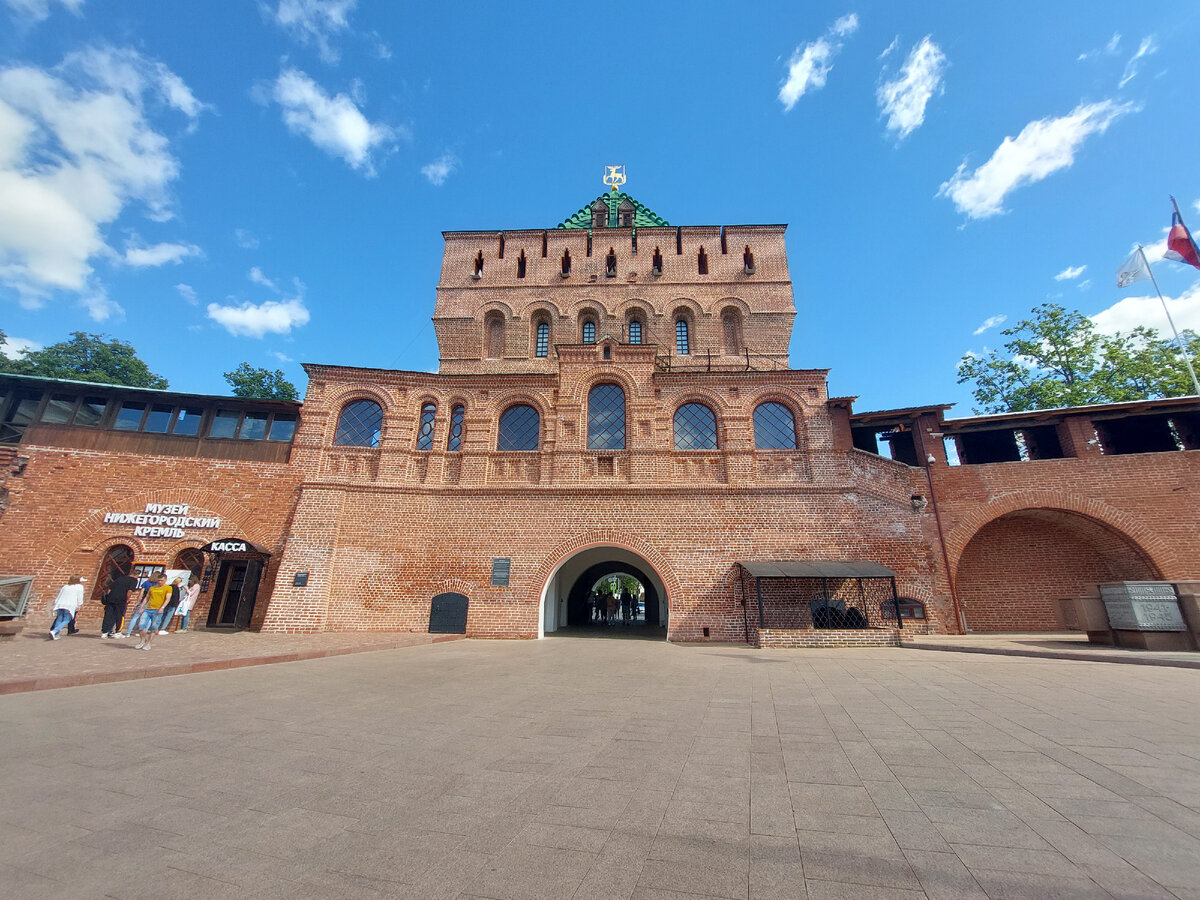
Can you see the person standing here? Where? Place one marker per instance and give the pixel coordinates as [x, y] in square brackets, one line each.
[66, 604]
[190, 595]
[176, 597]
[131, 621]
[115, 601]
[156, 599]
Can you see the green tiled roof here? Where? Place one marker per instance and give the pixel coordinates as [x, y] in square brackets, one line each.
[642, 217]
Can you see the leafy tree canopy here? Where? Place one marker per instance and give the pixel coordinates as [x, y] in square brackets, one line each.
[262, 384]
[1058, 358]
[85, 357]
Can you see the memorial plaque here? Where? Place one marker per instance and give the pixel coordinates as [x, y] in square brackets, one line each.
[1142, 606]
[501, 566]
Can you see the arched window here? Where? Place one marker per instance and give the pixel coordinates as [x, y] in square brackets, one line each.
[682, 345]
[494, 329]
[520, 428]
[774, 427]
[118, 559]
[635, 331]
[731, 329]
[478, 265]
[748, 261]
[610, 263]
[695, 427]
[702, 262]
[190, 559]
[589, 332]
[566, 262]
[542, 343]
[359, 425]
[656, 263]
[521, 265]
[454, 436]
[606, 417]
[425, 431]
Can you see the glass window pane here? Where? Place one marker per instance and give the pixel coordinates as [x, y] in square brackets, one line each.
[635, 332]
[774, 427]
[58, 409]
[543, 339]
[589, 332]
[159, 418]
[224, 423]
[682, 345]
[23, 407]
[283, 427]
[254, 426]
[606, 418]
[520, 428]
[90, 412]
[454, 439]
[695, 427]
[188, 420]
[359, 425]
[425, 431]
[130, 416]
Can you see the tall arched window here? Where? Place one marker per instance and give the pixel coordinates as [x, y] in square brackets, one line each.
[359, 425]
[606, 417]
[566, 262]
[695, 427]
[683, 346]
[635, 331]
[454, 436]
[425, 431]
[610, 263]
[520, 428]
[521, 265]
[542, 341]
[589, 332]
[702, 262]
[190, 559]
[731, 330]
[774, 427]
[117, 561]
[494, 336]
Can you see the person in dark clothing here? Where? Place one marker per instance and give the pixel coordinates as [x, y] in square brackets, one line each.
[114, 601]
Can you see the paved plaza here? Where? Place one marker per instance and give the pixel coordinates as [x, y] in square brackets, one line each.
[607, 768]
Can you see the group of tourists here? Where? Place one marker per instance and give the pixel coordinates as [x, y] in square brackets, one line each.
[606, 608]
[155, 604]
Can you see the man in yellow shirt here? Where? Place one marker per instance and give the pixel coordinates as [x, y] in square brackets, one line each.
[156, 599]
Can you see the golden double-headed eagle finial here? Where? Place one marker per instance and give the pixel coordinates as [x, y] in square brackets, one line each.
[614, 177]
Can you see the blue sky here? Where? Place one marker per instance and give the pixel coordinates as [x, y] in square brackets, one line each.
[267, 181]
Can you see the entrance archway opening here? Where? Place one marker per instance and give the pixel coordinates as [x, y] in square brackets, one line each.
[605, 592]
[1017, 568]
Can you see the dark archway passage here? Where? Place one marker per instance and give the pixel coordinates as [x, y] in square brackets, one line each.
[579, 613]
[575, 600]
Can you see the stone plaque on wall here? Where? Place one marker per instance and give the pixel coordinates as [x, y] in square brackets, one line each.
[1142, 606]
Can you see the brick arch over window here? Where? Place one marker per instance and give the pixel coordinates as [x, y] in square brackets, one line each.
[359, 423]
[493, 335]
[1153, 547]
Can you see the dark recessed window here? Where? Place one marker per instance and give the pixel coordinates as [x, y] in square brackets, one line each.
[283, 427]
[589, 332]
[425, 430]
[695, 427]
[682, 345]
[610, 263]
[774, 427]
[702, 262]
[520, 428]
[566, 262]
[635, 331]
[606, 418]
[158, 418]
[543, 339]
[521, 265]
[656, 263]
[130, 416]
[454, 437]
[359, 425]
[90, 412]
[254, 427]
[225, 423]
[188, 421]
[58, 409]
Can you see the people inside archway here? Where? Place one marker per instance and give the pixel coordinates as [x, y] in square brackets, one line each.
[66, 604]
[115, 600]
[156, 598]
[191, 594]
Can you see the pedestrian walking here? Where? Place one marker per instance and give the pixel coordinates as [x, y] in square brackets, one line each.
[115, 599]
[147, 622]
[66, 604]
[175, 598]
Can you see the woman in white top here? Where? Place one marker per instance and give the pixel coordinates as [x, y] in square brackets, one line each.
[66, 604]
[190, 593]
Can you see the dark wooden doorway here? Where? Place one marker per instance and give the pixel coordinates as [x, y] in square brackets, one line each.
[235, 593]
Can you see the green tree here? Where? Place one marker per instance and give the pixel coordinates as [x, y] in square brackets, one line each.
[1057, 358]
[262, 384]
[86, 357]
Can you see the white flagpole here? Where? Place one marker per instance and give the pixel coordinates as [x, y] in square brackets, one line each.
[1187, 360]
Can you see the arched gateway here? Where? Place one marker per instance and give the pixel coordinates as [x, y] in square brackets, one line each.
[577, 595]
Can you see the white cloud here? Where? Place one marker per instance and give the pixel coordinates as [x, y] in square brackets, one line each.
[259, 319]
[1070, 273]
[76, 150]
[247, 240]
[187, 292]
[282, 357]
[810, 64]
[1108, 49]
[30, 11]
[904, 98]
[1085, 284]
[334, 124]
[13, 347]
[1130, 312]
[99, 307]
[315, 22]
[1145, 48]
[159, 254]
[990, 322]
[1042, 148]
[887, 51]
[439, 170]
[256, 275]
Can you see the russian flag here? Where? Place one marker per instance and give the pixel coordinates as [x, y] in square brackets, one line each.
[1180, 246]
